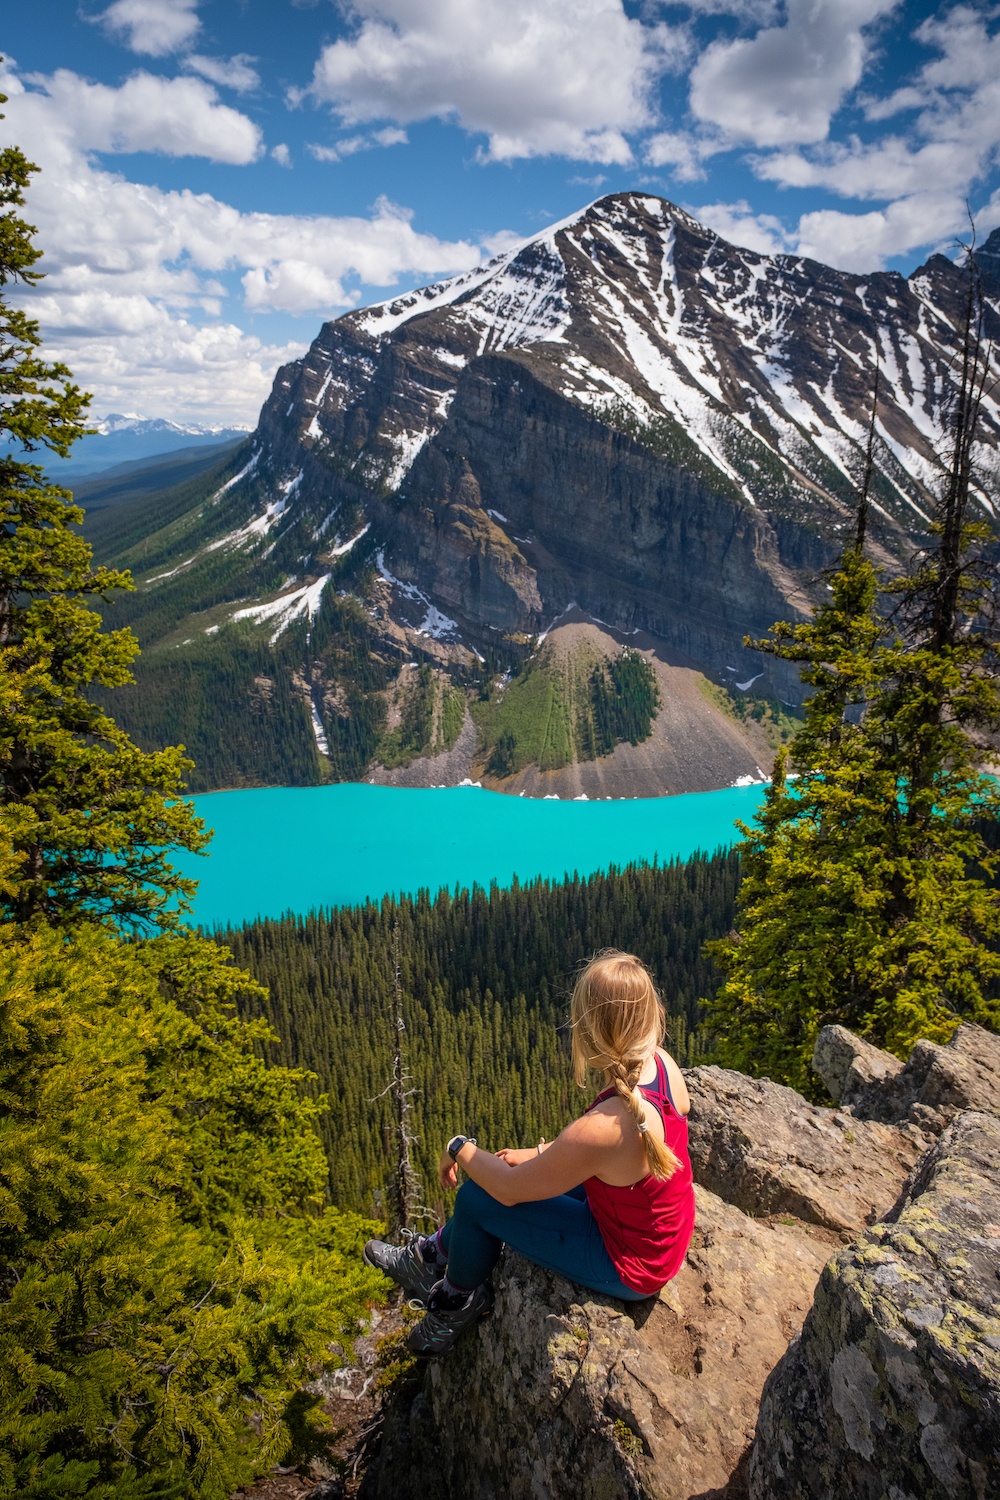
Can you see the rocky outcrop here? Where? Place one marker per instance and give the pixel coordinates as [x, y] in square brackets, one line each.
[891, 1391]
[570, 1396]
[848, 1065]
[933, 1086]
[893, 1388]
[766, 1150]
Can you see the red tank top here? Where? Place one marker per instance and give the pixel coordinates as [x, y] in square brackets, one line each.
[647, 1227]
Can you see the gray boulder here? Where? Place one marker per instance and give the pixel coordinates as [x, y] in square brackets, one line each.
[848, 1065]
[763, 1148]
[937, 1083]
[892, 1391]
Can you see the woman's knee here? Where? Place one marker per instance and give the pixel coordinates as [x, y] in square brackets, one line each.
[471, 1199]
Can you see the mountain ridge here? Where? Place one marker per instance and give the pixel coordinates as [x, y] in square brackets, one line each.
[625, 413]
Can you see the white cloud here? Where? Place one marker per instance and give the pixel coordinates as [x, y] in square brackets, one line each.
[679, 150]
[229, 73]
[352, 144]
[950, 142]
[137, 278]
[755, 12]
[153, 27]
[171, 116]
[738, 223]
[281, 155]
[782, 86]
[570, 77]
[864, 242]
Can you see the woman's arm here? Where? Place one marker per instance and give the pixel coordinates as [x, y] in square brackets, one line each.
[576, 1154]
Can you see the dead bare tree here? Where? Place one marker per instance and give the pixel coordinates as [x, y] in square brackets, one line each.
[408, 1207]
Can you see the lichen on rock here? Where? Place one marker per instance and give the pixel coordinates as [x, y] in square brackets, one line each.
[762, 1147]
[893, 1387]
[566, 1395]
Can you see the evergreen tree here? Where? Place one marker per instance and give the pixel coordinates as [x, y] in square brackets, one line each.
[85, 816]
[168, 1274]
[170, 1271]
[868, 896]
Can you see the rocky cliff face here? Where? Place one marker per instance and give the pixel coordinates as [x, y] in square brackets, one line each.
[630, 413]
[834, 1330]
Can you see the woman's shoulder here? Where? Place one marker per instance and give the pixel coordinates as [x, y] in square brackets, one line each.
[675, 1078]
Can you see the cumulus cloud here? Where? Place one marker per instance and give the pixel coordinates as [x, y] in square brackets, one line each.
[229, 73]
[281, 155]
[738, 223]
[138, 278]
[951, 139]
[783, 85]
[172, 116]
[570, 77]
[679, 150]
[153, 27]
[864, 242]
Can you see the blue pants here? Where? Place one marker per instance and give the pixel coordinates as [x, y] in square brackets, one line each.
[560, 1234]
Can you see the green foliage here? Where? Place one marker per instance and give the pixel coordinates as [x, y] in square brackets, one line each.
[39, 405]
[242, 716]
[565, 707]
[486, 979]
[624, 699]
[85, 816]
[170, 1271]
[503, 756]
[452, 716]
[343, 644]
[868, 896]
[776, 719]
[169, 1275]
[432, 713]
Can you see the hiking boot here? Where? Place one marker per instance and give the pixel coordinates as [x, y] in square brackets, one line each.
[440, 1328]
[405, 1265]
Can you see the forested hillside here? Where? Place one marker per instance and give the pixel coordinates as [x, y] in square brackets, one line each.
[485, 998]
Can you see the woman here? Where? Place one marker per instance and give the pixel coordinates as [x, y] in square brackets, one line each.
[609, 1204]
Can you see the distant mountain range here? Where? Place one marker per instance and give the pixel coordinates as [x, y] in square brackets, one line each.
[121, 439]
[626, 418]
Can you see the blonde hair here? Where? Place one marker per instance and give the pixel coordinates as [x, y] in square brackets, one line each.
[618, 1020]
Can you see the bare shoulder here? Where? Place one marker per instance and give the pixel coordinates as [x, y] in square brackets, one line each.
[678, 1088]
[600, 1126]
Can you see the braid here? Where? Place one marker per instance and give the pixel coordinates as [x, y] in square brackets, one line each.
[660, 1159]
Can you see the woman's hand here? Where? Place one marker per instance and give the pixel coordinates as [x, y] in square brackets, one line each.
[447, 1171]
[516, 1156]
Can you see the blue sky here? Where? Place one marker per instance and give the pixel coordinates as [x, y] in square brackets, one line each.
[220, 176]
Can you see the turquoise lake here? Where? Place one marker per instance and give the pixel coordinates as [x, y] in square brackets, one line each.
[285, 849]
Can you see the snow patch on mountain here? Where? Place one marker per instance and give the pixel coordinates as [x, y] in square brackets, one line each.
[301, 603]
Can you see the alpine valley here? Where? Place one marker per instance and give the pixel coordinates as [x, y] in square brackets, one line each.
[516, 526]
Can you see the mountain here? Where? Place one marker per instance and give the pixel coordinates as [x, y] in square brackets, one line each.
[121, 439]
[146, 476]
[626, 425]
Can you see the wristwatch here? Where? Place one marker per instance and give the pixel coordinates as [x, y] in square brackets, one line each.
[456, 1143]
